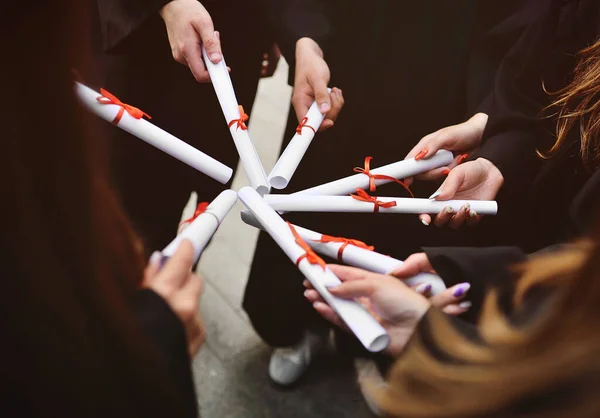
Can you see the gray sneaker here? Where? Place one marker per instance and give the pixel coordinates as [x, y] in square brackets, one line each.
[288, 364]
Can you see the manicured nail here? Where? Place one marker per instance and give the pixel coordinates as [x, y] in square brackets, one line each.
[472, 214]
[462, 158]
[448, 210]
[324, 107]
[445, 172]
[424, 222]
[462, 289]
[421, 154]
[465, 305]
[436, 194]
[466, 208]
[423, 288]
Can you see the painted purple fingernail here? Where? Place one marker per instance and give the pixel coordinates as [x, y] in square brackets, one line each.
[462, 289]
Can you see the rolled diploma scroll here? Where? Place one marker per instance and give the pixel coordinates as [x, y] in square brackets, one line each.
[370, 333]
[306, 203]
[358, 257]
[155, 136]
[289, 160]
[201, 230]
[398, 170]
[221, 82]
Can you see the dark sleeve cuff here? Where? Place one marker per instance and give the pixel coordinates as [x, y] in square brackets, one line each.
[481, 267]
[120, 18]
[164, 329]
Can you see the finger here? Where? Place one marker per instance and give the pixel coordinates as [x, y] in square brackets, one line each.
[473, 218]
[409, 180]
[444, 216]
[421, 149]
[319, 86]
[337, 102]
[435, 174]
[307, 284]
[210, 39]
[414, 264]
[423, 289]
[313, 296]
[450, 296]
[450, 186]
[178, 267]
[193, 56]
[354, 289]
[188, 296]
[425, 219]
[152, 268]
[461, 216]
[345, 273]
[329, 314]
[301, 101]
[327, 123]
[457, 309]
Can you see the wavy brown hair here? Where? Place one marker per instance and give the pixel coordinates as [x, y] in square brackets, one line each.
[577, 108]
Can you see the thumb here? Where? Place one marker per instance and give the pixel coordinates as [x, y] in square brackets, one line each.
[319, 86]
[450, 186]
[353, 289]
[210, 38]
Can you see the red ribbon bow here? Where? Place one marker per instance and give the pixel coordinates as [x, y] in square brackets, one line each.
[199, 211]
[304, 125]
[373, 177]
[109, 98]
[363, 196]
[346, 242]
[309, 254]
[240, 122]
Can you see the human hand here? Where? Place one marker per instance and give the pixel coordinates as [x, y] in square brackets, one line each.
[181, 289]
[461, 139]
[473, 180]
[393, 304]
[189, 26]
[450, 301]
[310, 84]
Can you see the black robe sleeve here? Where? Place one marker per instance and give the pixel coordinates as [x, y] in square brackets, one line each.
[120, 18]
[165, 330]
[481, 267]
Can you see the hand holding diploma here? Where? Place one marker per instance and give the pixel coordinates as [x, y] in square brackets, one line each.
[236, 121]
[130, 119]
[363, 325]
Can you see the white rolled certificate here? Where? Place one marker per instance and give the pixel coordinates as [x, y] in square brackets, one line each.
[289, 160]
[310, 203]
[369, 332]
[200, 230]
[221, 82]
[397, 170]
[357, 256]
[118, 114]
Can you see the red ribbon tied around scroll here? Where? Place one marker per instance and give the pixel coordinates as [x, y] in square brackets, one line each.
[240, 122]
[372, 177]
[199, 211]
[109, 98]
[309, 254]
[363, 196]
[346, 242]
[304, 125]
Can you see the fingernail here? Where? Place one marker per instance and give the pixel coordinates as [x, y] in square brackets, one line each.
[448, 209]
[472, 214]
[462, 289]
[215, 56]
[155, 257]
[466, 208]
[217, 35]
[421, 154]
[462, 158]
[424, 222]
[324, 107]
[465, 305]
[306, 293]
[445, 172]
[436, 194]
[423, 288]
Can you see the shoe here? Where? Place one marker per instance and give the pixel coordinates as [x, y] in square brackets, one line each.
[288, 364]
[367, 373]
